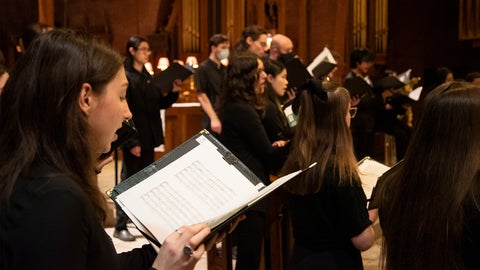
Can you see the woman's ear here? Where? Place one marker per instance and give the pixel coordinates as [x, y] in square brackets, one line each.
[131, 50]
[270, 78]
[85, 99]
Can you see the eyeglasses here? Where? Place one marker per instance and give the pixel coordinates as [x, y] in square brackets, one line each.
[144, 49]
[352, 111]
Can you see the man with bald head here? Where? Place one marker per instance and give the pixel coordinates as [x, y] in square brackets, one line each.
[281, 48]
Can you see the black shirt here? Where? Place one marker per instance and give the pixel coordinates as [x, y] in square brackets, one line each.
[51, 225]
[325, 222]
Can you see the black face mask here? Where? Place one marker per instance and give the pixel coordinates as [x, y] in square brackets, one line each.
[286, 57]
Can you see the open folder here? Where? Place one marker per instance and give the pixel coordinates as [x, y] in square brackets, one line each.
[199, 181]
[369, 171]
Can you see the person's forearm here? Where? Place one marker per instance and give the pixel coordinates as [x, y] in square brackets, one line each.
[207, 106]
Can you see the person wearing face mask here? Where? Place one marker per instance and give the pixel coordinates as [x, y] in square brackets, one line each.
[209, 79]
[281, 48]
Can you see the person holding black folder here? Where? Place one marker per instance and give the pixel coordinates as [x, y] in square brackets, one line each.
[360, 87]
[65, 99]
[328, 206]
[145, 100]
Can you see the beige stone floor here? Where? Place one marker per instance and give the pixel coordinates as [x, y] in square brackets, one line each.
[106, 180]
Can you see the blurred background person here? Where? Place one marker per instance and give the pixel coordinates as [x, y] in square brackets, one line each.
[30, 32]
[281, 48]
[360, 86]
[473, 77]
[253, 39]
[390, 108]
[145, 101]
[209, 79]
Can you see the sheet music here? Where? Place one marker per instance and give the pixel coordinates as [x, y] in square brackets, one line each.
[369, 171]
[197, 187]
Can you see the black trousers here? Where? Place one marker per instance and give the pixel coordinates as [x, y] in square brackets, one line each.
[248, 237]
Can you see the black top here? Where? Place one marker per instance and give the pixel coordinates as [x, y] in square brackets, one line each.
[325, 222]
[51, 225]
[364, 121]
[275, 124]
[244, 135]
[145, 102]
[209, 79]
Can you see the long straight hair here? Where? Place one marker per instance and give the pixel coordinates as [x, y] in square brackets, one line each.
[323, 136]
[422, 205]
[40, 118]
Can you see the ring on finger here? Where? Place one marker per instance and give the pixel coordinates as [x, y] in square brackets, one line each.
[188, 250]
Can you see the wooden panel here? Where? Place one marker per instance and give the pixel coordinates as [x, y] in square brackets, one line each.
[181, 123]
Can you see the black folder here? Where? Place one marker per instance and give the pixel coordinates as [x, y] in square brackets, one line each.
[164, 80]
[297, 74]
[199, 174]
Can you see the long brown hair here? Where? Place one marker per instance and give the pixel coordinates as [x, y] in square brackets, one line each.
[242, 82]
[323, 136]
[40, 118]
[422, 205]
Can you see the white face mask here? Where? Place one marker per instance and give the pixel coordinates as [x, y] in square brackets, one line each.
[223, 54]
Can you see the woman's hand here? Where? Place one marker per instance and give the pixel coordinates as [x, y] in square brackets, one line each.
[174, 253]
[136, 151]
[177, 86]
[280, 143]
[219, 236]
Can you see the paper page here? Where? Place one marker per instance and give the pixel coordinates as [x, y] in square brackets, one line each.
[196, 187]
[415, 94]
[369, 171]
[263, 193]
[291, 117]
[275, 184]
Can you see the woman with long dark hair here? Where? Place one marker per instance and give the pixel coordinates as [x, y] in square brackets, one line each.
[429, 207]
[330, 222]
[241, 111]
[59, 112]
